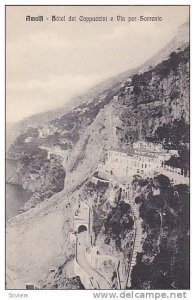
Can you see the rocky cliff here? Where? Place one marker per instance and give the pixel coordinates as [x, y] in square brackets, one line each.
[153, 105]
[164, 260]
[149, 103]
[36, 173]
[154, 99]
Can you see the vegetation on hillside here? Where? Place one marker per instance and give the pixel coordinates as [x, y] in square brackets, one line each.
[164, 261]
[38, 174]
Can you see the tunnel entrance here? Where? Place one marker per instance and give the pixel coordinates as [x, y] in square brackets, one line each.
[82, 228]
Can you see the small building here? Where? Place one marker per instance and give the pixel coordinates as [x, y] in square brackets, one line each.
[28, 139]
[115, 98]
[129, 80]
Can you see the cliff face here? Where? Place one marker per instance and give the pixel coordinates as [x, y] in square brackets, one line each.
[164, 260]
[42, 176]
[82, 133]
[112, 225]
[155, 98]
[153, 105]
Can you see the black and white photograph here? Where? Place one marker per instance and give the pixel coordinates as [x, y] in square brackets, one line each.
[97, 147]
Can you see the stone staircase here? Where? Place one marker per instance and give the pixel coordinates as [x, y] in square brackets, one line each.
[137, 248]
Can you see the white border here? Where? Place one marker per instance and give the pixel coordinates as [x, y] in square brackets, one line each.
[67, 294]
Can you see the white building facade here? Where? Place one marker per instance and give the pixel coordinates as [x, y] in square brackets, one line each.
[147, 161]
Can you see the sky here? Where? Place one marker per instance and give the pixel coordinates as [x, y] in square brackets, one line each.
[48, 63]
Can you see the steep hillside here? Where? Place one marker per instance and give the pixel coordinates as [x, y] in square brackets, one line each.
[42, 176]
[61, 156]
[155, 98]
[153, 105]
[164, 261]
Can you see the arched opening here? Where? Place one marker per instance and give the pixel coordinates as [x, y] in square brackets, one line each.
[82, 228]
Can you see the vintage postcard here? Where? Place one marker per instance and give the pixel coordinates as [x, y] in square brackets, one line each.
[97, 148]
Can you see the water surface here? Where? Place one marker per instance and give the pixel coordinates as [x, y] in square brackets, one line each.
[16, 196]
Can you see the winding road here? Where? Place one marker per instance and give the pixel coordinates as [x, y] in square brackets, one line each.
[98, 281]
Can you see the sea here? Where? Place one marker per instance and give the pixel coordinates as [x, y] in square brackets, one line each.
[16, 196]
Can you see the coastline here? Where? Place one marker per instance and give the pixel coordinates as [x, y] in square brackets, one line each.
[15, 195]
